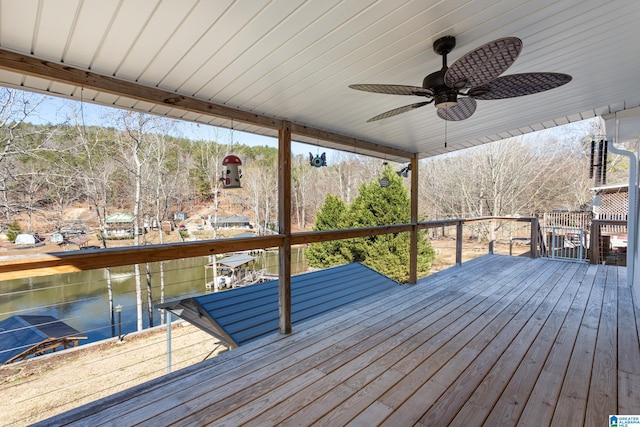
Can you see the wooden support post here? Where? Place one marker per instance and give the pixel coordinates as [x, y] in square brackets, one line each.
[535, 230]
[284, 226]
[413, 239]
[594, 244]
[459, 243]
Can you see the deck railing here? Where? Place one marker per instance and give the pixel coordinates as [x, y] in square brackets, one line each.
[64, 262]
[459, 223]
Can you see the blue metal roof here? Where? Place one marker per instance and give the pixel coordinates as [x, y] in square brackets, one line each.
[19, 333]
[245, 314]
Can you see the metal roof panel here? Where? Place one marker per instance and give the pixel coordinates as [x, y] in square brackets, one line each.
[251, 312]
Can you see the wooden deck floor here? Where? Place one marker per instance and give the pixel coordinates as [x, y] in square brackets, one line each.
[500, 341]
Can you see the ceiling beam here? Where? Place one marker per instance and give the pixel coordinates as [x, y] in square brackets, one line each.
[353, 144]
[62, 73]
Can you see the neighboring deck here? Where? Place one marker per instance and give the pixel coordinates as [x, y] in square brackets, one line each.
[498, 341]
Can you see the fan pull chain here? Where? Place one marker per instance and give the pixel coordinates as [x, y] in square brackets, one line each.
[445, 130]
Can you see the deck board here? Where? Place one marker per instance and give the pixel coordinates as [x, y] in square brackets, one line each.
[498, 341]
[367, 369]
[603, 392]
[482, 384]
[485, 343]
[572, 402]
[539, 408]
[517, 370]
[628, 351]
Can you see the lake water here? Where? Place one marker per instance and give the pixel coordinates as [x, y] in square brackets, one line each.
[81, 299]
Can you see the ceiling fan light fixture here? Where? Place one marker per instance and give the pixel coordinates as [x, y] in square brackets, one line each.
[445, 100]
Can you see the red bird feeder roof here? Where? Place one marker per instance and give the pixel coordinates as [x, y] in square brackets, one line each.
[231, 160]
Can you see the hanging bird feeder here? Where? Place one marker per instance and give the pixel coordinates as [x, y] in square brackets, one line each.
[231, 173]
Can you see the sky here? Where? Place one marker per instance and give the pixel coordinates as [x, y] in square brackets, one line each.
[57, 110]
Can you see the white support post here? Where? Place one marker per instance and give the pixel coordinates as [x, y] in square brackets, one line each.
[168, 320]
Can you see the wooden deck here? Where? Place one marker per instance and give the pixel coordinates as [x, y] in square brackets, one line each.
[499, 341]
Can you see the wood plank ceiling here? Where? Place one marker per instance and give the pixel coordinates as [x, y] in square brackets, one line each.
[293, 59]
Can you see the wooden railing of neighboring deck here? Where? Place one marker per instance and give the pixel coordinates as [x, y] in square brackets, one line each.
[596, 236]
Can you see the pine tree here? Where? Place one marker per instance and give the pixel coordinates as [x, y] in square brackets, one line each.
[331, 216]
[374, 206]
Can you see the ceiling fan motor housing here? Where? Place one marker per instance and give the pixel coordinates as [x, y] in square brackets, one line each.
[447, 99]
[443, 95]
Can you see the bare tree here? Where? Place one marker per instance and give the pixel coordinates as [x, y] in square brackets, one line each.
[504, 178]
[260, 188]
[15, 108]
[164, 176]
[135, 127]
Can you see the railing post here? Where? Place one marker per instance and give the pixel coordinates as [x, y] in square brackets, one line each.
[594, 244]
[413, 237]
[168, 320]
[492, 237]
[535, 232]
[459, 243]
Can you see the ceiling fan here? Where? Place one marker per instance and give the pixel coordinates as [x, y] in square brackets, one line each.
[454, 90]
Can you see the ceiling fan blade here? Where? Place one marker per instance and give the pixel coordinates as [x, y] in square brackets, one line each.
[393, 89]
[483, 64]
[514, 85]
[462, 110]
[397, 111]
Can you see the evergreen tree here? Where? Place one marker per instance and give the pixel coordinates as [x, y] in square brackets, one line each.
[331, 216]
[13, 231]
[374, 206]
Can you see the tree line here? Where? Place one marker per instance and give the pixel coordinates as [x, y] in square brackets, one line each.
[139, 165]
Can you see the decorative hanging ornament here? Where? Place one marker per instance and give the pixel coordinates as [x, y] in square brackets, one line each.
[318, 161]
[404, 172]
[231, 173]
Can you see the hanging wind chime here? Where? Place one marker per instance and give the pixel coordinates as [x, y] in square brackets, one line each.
[231, 172]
